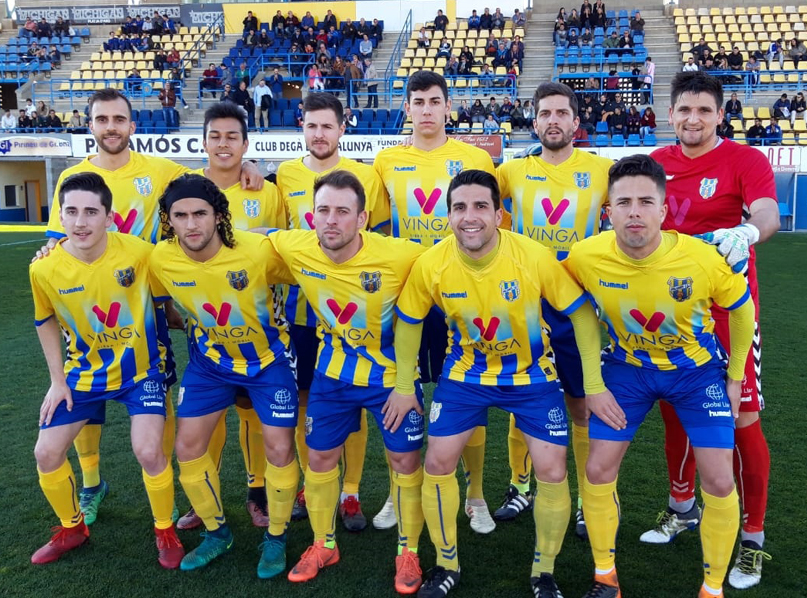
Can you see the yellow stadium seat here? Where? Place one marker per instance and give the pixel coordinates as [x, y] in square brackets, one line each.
[417, 63]
[678, 12]
[748, 112]
[714, 11]
[763, 112]
[429, 63]
[476, 129]
[472, 34]
[402, 72]
[752, 10]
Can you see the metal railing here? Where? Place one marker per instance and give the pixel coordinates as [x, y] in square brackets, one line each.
[399, 48]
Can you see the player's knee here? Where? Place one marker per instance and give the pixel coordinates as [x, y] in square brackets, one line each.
[150, 456]
[600, 472]
[322, 461]
[553, 471]
[188, 449]
[48, 457]
[279, 453]
[438, 464]
[404, 463]
[718, 484]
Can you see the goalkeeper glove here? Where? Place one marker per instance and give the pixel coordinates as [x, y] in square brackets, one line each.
[734, 244]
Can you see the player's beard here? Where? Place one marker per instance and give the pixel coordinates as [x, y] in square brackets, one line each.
[201, 243]
[114, 149]
[565, 140]
[321, 154]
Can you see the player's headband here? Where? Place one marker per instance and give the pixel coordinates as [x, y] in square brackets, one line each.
[190, 185]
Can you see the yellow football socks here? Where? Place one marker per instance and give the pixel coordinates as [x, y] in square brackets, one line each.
[441, 502]
[299, 431]
[322, 500]
[553, 505]
[353, 457]
[601, 505]
[281, 490]
[473, 462]
[580, 446]
[200, 480]
[215, 447]
[250, 435]
[406, 496]
[719, 525]
[160, 490]
[519, 456]
[88, 447]
[59, 487]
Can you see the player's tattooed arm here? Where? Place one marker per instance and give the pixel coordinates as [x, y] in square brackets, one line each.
[50, 338]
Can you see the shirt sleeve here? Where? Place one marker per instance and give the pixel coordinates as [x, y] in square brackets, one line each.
[158, 290]
[43, 308]
[277, 272]
[377, 202]
[729, 290]
[558, 286]
[277, 216]
[415, 299]
[755, 176]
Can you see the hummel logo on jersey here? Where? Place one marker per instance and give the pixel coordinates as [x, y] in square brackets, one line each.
[427, 204]
[613, 285]
[71, 290]
[108, 318]
[296, 193]
[536, 178]
[462, 295]
[405, 168]
[554, 213]
[343, 314]
[679, 210]
[488, 332]
[309, 220]
[221, 315]
[125, 225]
[651, 324]
[312, 274]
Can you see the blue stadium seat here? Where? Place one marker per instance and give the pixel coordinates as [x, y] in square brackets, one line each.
[618, 141]
[601, 141]
[367, 114]
[288, 118]
[275, 119]
[377, 127]
[146, 115]
[602, 127]
[634, 140]
[382, 114]
[650, 140]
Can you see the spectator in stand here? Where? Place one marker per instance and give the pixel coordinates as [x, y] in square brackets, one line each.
[612, 81]
[29, 29]
[502, 57]
[517, 121]
[756, 133]
[492, 108]
[505, 109]
[54, 56]
[517, 52]
[529, 115]
[29, 107]
[308, 20]
[580, 138]
[173, 59]
[330, 20]
[735, 59]
[168, 25]
[292, 23]
[322, 50]
[8, 123]
[691, 65]
[242, 74]
[618, 123]
[377, 31]
[486, 76]
[298, 115]
[134, 82]
[298, 39]
[159, 61]
[586, 38]
[243, 99]
[423, 38]
[363, 28]
[298, 60]
[512, 76]
[467, 55]
[773, 132]
[227, 94]
[798, 108]
[561, 35]
[322, 37]
[486, 20]
[781, 107]
[725, 130]
[262, 99]
[315, 81]
[24, 122]
[561, 17]
[147, 27]
[157, 23]
[519, 20]
[276, 85]
[75, 124]
[498, 20]
[61, 27]
[43, 28]
[637, 23]
[366, 47]
[477, 111]
[775, 52]
[588, 122]
[752, 67]
[490, 126]
[111, 44]
[797, 51]
[463, 113]
[168, 100]
[452, 68]
[474, 21]
[440, 21]
[585, 17]
[649, 71]
[371, 78]
[734, 108]
[626, 42]
[351, 120]
[611, 44]
[464, 68]
[349, 31]
[278, 23]
[356, 76]
[572, 39]
[138, 24]
[598, 15]
[211, 80]
[573, 22]
[648, 122]
[698, 49]
[721, 54]
[251, 39]
[444, 49]
[634, 123]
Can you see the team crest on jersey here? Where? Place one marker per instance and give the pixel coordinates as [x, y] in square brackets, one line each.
[125, 277]
[707, 188]
[252, 208]
[370, 281]
[680, 288]
[453, 167]
[582, 179]
[143, 185]
[510, 290]
[238, 280]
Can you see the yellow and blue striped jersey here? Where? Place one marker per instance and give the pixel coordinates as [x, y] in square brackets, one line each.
[658, 310]
[416, 183]
[105, 311]
[136, 189]
[556, 205]
[354, 302]
[296, 184]
[496, 333]
[228, 300]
